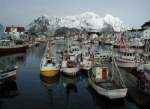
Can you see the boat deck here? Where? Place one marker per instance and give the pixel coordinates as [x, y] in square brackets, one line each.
[108, 85]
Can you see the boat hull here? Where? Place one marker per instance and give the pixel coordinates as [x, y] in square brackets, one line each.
[9, 75]
[49, 73]
[86, 68]
[111, 94]
[71, 71]
[125, 63]
[4, 51]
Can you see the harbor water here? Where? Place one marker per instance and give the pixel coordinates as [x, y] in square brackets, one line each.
[29, 90]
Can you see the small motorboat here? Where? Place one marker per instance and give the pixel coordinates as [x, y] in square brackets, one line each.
[105, 79]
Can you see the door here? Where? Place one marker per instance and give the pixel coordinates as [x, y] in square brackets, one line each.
[104, 74]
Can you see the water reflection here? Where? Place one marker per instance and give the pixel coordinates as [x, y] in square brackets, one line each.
[9, 61]
[49, 84]
[8, 89]
[36, 92]
[70, 85]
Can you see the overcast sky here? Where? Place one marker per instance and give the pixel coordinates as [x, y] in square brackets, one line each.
[21, 12]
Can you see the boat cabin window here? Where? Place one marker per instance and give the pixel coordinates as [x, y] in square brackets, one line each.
[49, 61]
[131, 54]
[128, 54]
[4, 43]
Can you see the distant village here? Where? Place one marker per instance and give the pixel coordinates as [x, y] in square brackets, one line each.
[18, 32]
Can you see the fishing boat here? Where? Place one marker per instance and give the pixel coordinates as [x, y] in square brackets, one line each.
[86, 61]
[8, 73]
[105, 78]
[128, 58]
[9, 47]
[49, 66]
[70, 65]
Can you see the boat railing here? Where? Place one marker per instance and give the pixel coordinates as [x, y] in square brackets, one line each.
[118, 75]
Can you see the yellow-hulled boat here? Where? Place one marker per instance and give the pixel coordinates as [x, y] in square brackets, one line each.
[50, 73]
[49, 68]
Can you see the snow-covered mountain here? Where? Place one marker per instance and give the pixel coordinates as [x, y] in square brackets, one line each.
[86, 21]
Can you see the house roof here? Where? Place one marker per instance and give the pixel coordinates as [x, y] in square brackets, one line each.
[146, 24]
[19, 29]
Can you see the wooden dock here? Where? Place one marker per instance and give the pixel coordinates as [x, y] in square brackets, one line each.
[140, 98]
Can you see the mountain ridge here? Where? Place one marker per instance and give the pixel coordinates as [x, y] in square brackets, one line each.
[86, 21]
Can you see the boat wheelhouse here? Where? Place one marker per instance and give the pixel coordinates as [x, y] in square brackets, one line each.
[128, 58]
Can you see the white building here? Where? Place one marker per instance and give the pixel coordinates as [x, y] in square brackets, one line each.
[146, 34]
[14, 31]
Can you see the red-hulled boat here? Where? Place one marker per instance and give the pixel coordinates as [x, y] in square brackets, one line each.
[9, 47]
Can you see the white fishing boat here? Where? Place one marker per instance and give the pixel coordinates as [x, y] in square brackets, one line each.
[86, 61]
[128, 58]
[5, 74]
[105, 79]
[70, 66]
[70, 63]
[49, 66]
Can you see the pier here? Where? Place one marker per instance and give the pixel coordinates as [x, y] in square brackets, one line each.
[140, 98]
